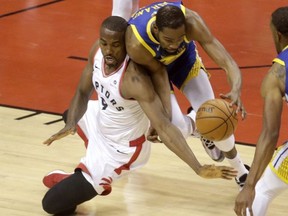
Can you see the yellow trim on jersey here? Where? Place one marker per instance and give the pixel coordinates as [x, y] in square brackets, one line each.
[140, 39]
[195, 71]
[182, 7]
[148, 30]
[279, 61]
[282, 170]
[166, 60]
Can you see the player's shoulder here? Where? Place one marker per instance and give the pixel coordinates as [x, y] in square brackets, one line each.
[136, 81]
[131, 39]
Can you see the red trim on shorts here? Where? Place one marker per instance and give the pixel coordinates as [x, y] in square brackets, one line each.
[107, 186]
[82, 135]
[83, 168]
[134, 143]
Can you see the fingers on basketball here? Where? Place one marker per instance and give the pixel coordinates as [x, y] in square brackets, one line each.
[216, 120]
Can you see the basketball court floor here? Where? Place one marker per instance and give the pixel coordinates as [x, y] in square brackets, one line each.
[43, 51]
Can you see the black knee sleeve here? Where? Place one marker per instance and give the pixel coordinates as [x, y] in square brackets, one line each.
[67, 194]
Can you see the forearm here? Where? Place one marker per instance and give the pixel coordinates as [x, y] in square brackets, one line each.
[162, 87]
[77, 108]
[263, 154]
[174, 140]
[233, 75]
[225, 61]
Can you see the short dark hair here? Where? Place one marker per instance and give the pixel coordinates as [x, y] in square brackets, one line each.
[280, 20]
[115, 23]
[170, 16]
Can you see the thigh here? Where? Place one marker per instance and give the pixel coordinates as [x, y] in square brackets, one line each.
[85, 122]
[198, 90]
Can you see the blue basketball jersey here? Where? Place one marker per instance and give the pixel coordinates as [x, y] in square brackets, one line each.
[180, 65]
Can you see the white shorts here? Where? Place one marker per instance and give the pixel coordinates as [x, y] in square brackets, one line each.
[106, 160]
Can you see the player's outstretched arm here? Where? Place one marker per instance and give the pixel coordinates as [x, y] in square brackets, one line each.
[197, 30]
[156, 69]
[138, 85]
[62, 133]
[79, 101]
[272, 91]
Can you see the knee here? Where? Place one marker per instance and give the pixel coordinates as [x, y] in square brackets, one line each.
[52, 208]
[47, 205]
[226, 145]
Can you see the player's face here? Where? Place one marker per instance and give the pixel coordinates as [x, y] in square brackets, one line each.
[112, 45]
[171, 39]
[275, 37]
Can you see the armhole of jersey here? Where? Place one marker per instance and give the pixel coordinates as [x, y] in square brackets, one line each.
[127, 60]
[140, 39]
[182, 7]
[279, 61]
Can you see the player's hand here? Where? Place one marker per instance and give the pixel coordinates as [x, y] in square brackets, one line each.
[152, 135]
[243, 201]
[67, 130]
[212, 171]
[235, 99]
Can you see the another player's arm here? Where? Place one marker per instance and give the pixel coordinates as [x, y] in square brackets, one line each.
[272, 91]
[197, 30]
[79, 101]
[139, 87]
[157, 70]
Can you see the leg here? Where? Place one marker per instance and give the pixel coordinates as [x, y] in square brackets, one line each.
[267, 188]
[124, 8]
[183, 122]
[197, 91]
[67, 194]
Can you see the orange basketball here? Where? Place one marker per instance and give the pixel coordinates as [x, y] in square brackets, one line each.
[215, 120]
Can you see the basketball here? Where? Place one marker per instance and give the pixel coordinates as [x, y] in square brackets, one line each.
[215, 120]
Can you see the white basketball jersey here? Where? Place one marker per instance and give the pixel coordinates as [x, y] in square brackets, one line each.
[120, 119]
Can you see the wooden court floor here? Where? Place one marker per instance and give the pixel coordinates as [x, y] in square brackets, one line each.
[44, 44]
[164, 187]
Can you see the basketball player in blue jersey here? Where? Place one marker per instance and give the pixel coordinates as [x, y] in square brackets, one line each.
[115, 126]
[258, 194]
[161, 37]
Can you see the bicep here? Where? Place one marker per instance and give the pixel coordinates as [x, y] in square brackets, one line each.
[85, 85]
[199, 31]
[273, 102]
[272, 92]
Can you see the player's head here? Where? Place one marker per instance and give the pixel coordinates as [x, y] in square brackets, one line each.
[169, 27]
[112, 40]
[279, 27]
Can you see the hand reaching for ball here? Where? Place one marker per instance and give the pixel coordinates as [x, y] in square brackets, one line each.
[212, 171]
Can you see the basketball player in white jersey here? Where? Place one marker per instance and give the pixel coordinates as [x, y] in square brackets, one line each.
[258, 192]
[115, 125]
[124, 8]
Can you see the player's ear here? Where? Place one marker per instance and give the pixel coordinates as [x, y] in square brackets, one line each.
[155, 28]
[279, 36]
